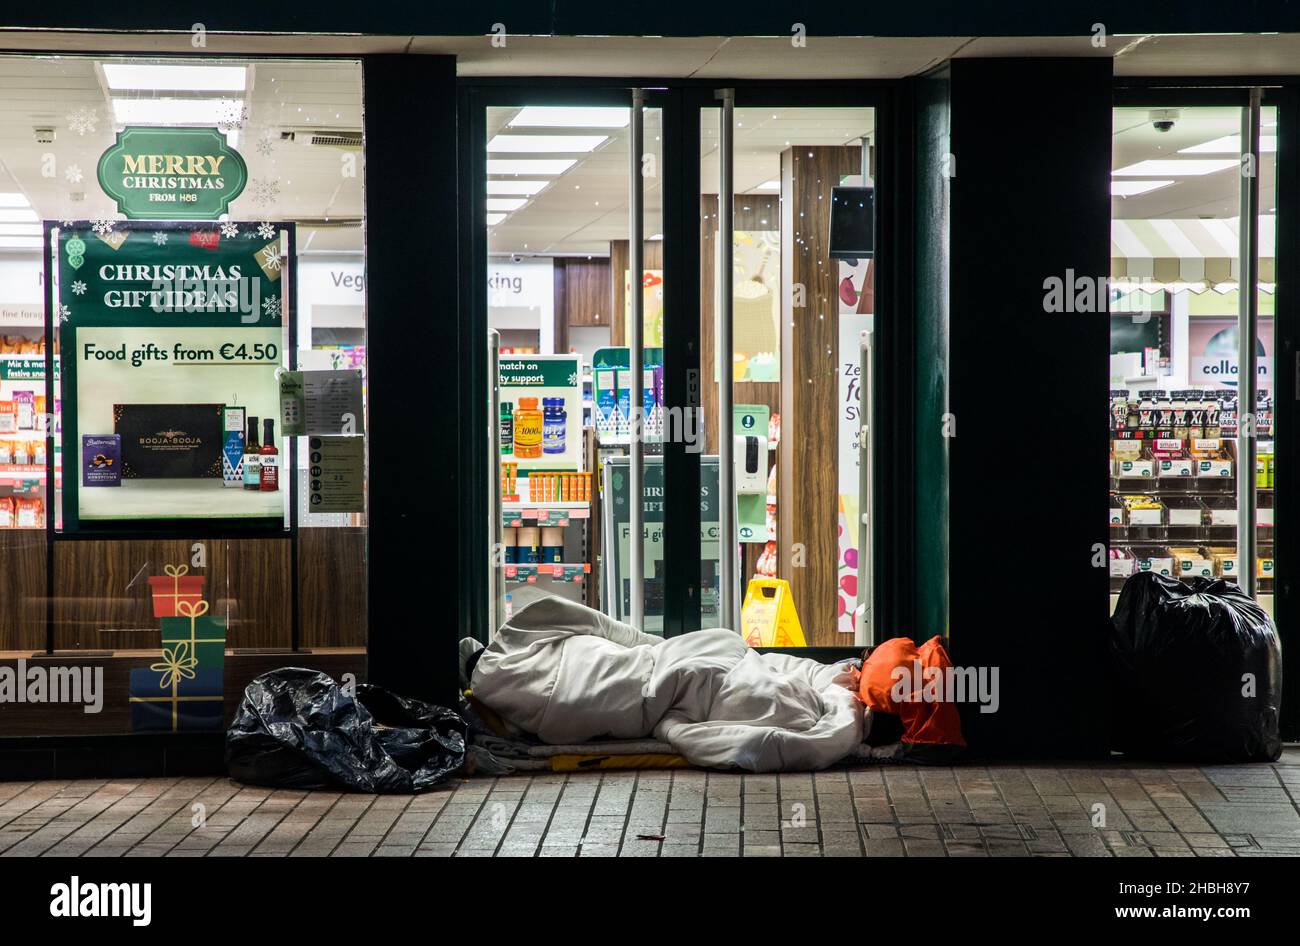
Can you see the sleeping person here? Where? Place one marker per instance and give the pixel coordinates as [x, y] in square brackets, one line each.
[568, 674]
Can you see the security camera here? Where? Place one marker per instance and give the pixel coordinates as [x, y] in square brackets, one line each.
[516, 257]
[1163, 119]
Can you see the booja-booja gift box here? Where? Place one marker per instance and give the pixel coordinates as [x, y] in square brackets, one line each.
[170, 441]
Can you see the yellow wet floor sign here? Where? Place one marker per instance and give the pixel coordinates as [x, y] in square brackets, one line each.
[768, 617]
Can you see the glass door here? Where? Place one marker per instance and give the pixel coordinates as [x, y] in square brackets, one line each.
[787, 274]
[569, 241]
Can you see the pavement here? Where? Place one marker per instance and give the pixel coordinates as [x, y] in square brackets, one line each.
[978, 810]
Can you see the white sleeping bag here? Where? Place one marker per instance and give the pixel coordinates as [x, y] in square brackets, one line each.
[569, 674]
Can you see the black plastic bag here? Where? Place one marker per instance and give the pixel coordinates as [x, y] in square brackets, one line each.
[297, 728]
[1195, 672]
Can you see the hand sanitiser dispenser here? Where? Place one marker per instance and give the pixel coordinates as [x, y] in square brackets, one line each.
[751, 465]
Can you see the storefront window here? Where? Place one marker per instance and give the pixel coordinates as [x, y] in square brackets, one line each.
[1174, 295]
[182, 378]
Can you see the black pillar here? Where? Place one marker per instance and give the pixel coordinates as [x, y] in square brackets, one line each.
[1013, 176]
[414, 355]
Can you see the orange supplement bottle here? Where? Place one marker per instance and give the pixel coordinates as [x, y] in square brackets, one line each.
[528, 429]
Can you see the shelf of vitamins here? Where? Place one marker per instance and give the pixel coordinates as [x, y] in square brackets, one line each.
[535, 508]
[544, 488]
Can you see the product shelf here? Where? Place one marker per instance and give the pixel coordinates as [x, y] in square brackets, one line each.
[556, 571]
[514, 514]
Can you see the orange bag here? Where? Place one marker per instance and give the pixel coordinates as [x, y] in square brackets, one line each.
[928, 722]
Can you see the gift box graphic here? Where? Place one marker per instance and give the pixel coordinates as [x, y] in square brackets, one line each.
[201, 636]
[174, 696]
[175, 586]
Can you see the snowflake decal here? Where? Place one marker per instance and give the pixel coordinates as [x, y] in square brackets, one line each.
[266, 146]
[103, 227]
[64, 312]
[231, 115]
[266, 190]
[79, 288]
[271, 307]
[265, 230]
[160, 239]
[67, 224]
[270, 258]
[229, 230]
[83, 120]
[72, 174]
[573, 377]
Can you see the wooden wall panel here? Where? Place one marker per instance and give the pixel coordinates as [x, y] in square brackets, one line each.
[588, 292]
[332, 587]
[652, 258]
[807, 478]
[249, 583]
[559, 307]
[22, 596]
[103, 601]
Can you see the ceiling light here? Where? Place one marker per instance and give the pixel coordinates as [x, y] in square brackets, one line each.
[560, 116]
[163, 111]
[534, 166]
[505, 203]
[524, 188]
[1223, 288]
[769, 186]
[1230, 144]
[19, 216]
[1133, 188]
[20, 243]
[546, 144]
[494, 219]
[657, 236]
[13, 199]
[1173, 167]
[175, 78]
[20, 229]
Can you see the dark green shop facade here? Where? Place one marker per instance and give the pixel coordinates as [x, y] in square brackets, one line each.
[993, 173]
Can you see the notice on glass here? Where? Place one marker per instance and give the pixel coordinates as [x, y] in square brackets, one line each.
[336, 469]
[321, 402]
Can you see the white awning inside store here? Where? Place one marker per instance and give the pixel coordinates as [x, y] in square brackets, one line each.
[1186, 255]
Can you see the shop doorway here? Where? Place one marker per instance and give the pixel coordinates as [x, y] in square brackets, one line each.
[755, 477]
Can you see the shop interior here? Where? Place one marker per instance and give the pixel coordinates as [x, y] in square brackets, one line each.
[1174, 411]
[559, 287]
[298, 126]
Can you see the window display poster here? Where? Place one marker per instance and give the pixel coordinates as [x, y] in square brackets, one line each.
[756, 305]
[1212, 344]
[540, 413]
[164, 328]
[850, 462]
[616, 527]
[652, 312]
